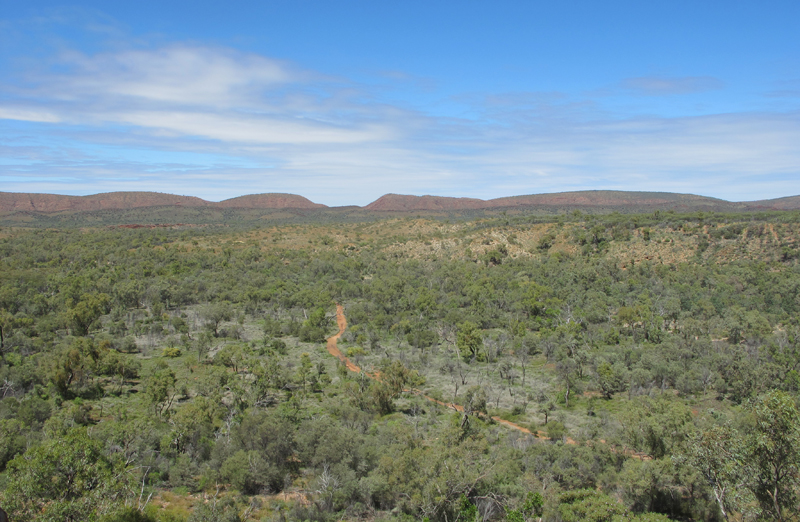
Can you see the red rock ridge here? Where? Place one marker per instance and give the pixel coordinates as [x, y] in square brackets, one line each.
[603, 198]
[21, 202]
[15, 202]
[594, 198]
[403, 203]
[270, 201]
[787, 203]
[10, 201]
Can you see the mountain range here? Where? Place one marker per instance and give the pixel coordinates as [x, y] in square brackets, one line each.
[610, 200]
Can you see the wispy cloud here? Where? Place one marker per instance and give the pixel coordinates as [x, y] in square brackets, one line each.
[204, 92]
[237, 123]
[177, 74]
[22, 113]
[786, 89]
[666, 86]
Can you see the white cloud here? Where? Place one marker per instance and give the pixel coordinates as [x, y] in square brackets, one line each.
[211, 93]
[251, 129]
[177, 74]
[336, 143]
[25, 114]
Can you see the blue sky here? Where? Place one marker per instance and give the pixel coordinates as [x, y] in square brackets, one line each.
[344, 101]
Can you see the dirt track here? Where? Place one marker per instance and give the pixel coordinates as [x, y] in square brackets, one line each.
[341, 321]
[333, 349]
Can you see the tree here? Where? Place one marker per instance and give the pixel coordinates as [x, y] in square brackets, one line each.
[313, 328]
[317, 319]
[232, 356]
[203, 345]
[249, 472]
[304, 370]
[628, 317]
[271, 436]
[422, 338]
[7, 323]
[213, 314]
[556, 431]
[587, 505]
[74, 367]
[493, 257]
[656, 426]
[567, 371]
[743, 324]
[223, 510]
[610, 378]
[545, 408]
[773, 451]
[531, 508]
[269, 375]
[718, 453]
[546, 241]
[12, 440]
[119, 365]
[431, 479]
[86, 311]
[469, 341]
[475, 401]
[65, 479]
[538, 300]
[394, 377]
[161, 389]
[522, 355]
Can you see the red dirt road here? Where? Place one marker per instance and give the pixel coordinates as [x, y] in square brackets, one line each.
[333, 349]
[341, 321]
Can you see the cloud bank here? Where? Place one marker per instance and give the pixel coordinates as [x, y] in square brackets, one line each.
[217, 123]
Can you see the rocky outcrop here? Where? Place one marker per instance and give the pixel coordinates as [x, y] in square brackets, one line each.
[15, 202]
[269, 201]
[607, 198]
[604, 199]
[11, 201]
[402, 203]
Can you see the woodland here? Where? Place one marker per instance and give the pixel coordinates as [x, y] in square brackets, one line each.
[571, 367]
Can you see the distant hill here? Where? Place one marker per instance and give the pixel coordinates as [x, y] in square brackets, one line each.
[401, 203]
[11, 202]
[593, 199]
[115, 208]
[268, 201]
[606, 198]
[788, 203]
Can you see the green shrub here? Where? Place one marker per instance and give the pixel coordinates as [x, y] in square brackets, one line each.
[171, 352]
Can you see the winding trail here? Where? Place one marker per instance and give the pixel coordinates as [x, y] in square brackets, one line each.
[333, 349]
[341, 321]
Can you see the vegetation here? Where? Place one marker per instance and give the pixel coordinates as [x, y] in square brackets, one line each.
[566, 367]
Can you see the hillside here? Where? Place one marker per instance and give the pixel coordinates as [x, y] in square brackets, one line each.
[12, 202]
[544, 364]
[610, 198]
[268, 201]
[405, 203]
[152, 208]
[605, 200]
[788, 203]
